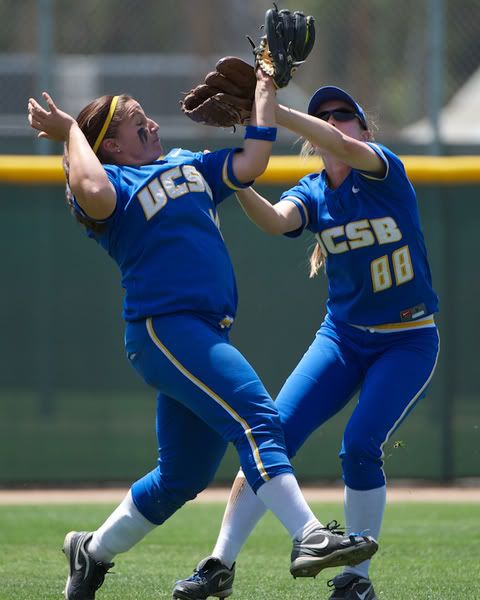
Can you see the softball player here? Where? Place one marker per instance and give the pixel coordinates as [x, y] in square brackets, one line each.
[378, 337]
[157, 218]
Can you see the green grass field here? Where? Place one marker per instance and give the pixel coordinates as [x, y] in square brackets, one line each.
[428, 552]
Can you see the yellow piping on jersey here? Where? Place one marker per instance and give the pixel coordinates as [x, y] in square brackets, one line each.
[302, 204]
[213, 395]
[389, 327]
[387, 165]
[412, 401]
[225, 177]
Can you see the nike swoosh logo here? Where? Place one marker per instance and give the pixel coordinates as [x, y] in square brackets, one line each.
[223, 581]
[319, 546]
[355, 190]
[364, 595]
[76, 562]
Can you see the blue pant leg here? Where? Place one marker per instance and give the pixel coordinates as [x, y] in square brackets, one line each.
[193, 362]
[397, 378]
[323, 382]
[189, 455]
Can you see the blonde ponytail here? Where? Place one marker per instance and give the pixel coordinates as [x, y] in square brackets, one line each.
[317, 261]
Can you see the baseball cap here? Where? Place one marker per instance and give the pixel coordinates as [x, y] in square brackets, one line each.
[331, 92]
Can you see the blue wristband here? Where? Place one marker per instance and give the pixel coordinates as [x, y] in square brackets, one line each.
[267, 134]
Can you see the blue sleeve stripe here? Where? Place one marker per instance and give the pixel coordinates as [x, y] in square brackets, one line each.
[382, 155]
[80, 210]
[302, 209]
[228, 175]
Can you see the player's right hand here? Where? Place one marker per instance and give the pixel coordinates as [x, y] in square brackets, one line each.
[53, 123]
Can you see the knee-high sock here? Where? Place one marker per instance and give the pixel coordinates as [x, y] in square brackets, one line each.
[124, 528]
[282, 495]
[244, 510]
[364, 514]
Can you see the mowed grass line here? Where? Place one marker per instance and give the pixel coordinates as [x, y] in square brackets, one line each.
[428, 552]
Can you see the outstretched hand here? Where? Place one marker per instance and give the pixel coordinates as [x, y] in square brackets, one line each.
[53, 123]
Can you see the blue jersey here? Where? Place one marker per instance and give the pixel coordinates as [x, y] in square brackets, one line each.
[369, 231]
[164, 235]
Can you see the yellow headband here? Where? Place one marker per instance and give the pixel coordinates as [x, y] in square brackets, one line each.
[108, 120]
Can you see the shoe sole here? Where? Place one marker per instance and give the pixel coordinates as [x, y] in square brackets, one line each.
[223, 594]
[310, 566]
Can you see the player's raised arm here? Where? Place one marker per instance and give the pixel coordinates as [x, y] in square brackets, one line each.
[259, 134]
[237, 94]
[321, 130]
[86, 176]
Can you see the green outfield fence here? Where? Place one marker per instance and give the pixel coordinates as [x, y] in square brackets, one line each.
[73, 411]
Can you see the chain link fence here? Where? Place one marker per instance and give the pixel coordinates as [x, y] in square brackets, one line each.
[413, 65]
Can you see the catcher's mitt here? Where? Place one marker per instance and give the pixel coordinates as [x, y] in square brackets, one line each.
[226, 97]
[288, 40]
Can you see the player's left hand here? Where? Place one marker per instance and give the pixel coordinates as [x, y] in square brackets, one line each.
[53, 124]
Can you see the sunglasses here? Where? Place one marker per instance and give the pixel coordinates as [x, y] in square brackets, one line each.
[339, 114]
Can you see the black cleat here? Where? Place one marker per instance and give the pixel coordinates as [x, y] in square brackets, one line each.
[325, 547]
[210, 578]
[349, 586]
[86, 575]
